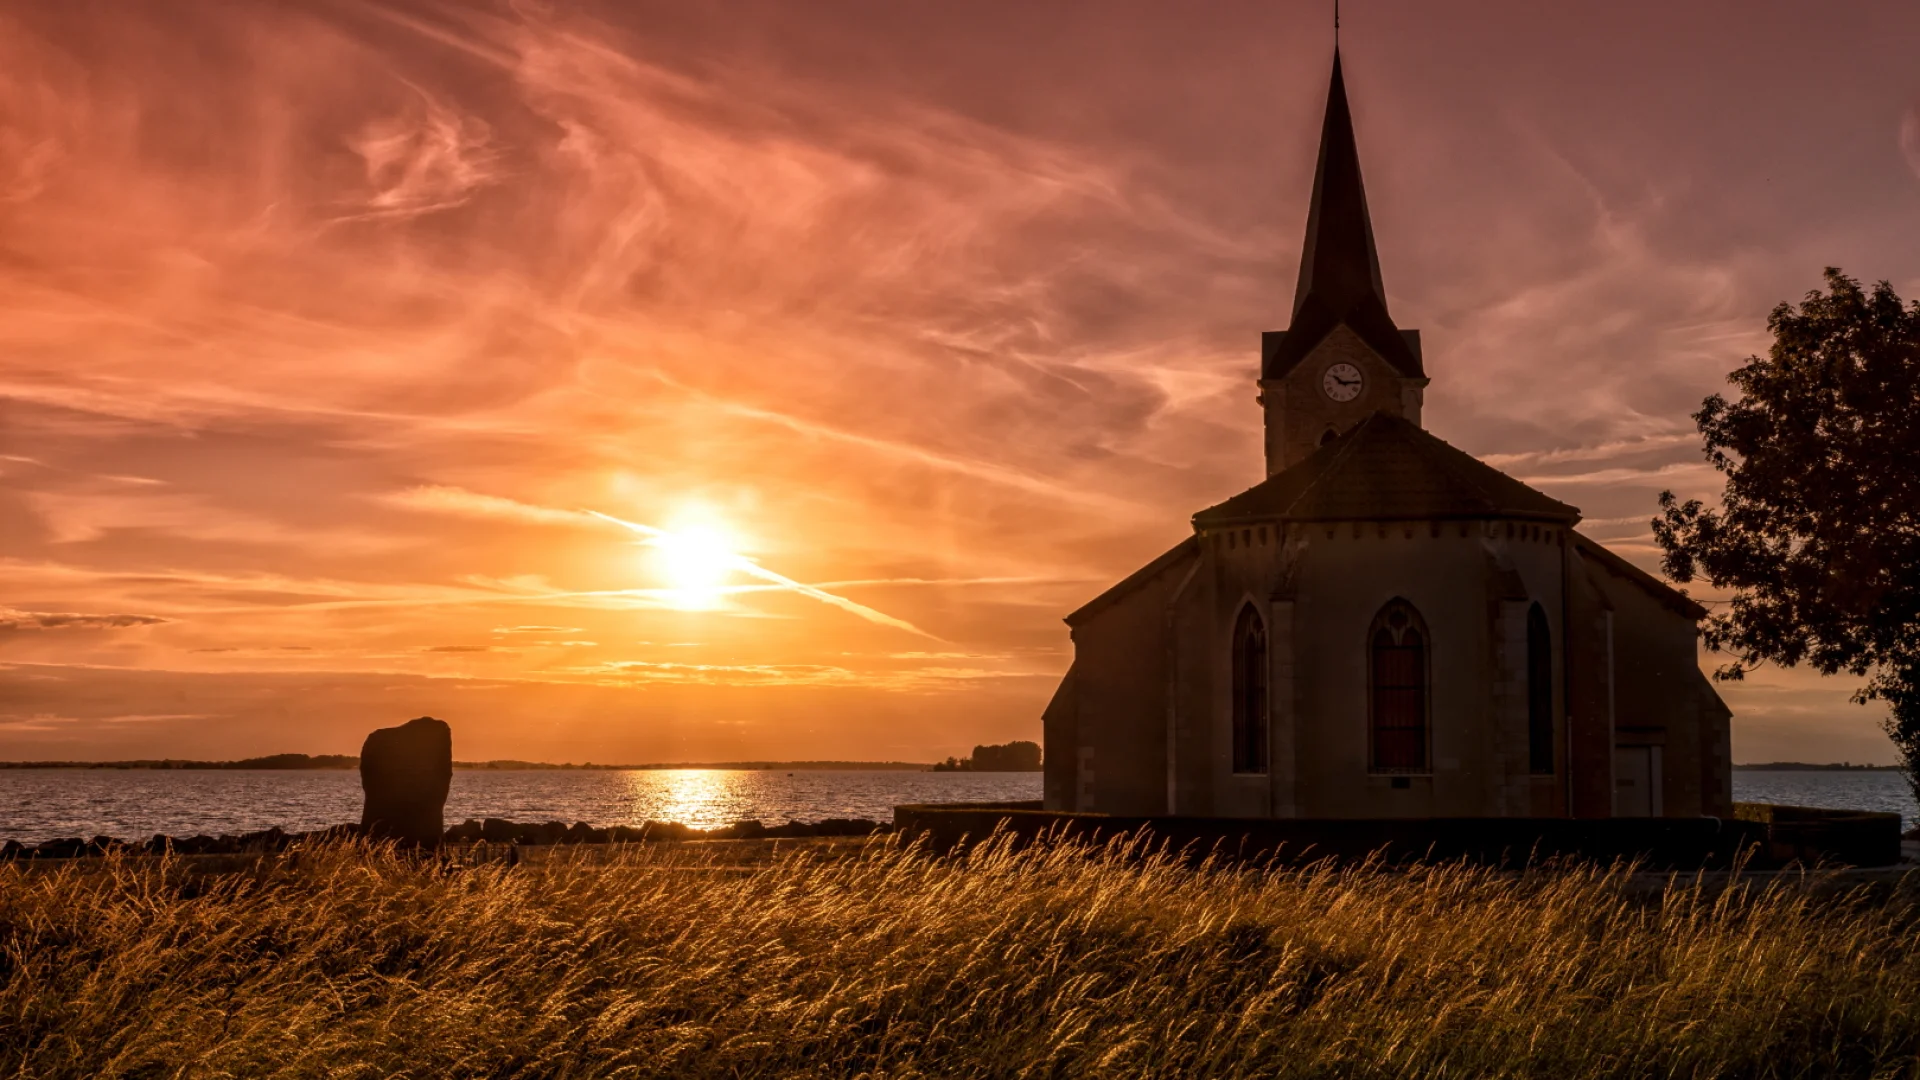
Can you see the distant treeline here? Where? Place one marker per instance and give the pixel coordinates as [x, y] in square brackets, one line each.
[1021, 756]
[351, 761]
[271, 761]
[1802, 766]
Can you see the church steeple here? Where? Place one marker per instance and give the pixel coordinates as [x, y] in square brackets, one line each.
[1338, 263]
[1339, 267]
[1341, 357]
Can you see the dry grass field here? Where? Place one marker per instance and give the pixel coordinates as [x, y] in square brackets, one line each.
[870, 958]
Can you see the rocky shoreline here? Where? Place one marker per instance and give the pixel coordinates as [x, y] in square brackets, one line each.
[490, 830]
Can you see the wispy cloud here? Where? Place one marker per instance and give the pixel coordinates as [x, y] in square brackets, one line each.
[891, 680]
[13, 621]
[1650, 474]
[1596, 452]
[438, 498]
[428, 158]
[1910, 139]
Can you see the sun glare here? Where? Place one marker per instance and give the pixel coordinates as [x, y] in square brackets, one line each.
[696, 562]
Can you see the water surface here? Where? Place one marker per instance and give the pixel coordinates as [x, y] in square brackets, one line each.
[1859, 790]
[40, 804]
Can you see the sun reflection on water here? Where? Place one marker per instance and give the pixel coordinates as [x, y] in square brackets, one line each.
[702, 798]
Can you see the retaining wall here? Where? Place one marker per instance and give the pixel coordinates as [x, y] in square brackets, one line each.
[1769, 836]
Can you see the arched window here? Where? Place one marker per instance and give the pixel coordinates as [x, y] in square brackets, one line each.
[1539, 692]
[1399, 668]
[1249, 692]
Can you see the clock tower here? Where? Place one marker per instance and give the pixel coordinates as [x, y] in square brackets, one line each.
[1341, 358]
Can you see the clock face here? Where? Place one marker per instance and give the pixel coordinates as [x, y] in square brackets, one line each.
[1341, 382]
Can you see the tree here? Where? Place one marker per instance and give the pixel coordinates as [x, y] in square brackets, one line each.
[1818, 532]
[1019, 756]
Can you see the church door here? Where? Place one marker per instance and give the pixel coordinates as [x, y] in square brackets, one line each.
[1636, 781]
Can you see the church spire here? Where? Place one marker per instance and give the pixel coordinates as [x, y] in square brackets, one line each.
[1339, 268]
[1338, 261]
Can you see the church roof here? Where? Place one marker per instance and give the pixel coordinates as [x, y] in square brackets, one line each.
[1185, 549]
[1339, 267]
[1387, 469]
[1661, 591]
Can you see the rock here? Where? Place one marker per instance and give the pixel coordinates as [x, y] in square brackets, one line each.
[13, 850]
[553, 832]
[335, 834]
[467, 830]
[497, 831]
[848, 827]
[583, 833]
[272, 839]
[405, 772]
[626, 834]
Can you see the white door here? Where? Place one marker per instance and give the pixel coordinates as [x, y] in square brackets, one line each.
[1636, 781]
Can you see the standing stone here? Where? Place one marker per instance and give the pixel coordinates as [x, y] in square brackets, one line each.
[405, 772]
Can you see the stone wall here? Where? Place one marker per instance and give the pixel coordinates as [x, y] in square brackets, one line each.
[1767, 837]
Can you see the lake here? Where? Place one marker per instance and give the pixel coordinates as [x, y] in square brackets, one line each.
[1885, 791]
[40, 804]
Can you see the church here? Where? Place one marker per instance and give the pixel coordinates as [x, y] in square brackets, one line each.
[1385, 627]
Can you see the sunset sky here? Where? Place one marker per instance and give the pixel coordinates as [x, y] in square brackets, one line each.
[328, 330]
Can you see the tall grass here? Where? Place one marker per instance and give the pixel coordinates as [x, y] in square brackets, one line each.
[874, 958]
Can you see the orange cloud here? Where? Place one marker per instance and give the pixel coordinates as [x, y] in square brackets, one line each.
[26, 622]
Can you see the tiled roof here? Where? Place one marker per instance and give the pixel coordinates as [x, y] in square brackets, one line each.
[1387, 469]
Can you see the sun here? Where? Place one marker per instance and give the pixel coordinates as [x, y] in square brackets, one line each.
[696, 561]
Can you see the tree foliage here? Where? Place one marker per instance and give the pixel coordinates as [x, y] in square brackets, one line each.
[1018, 756]
[1818, 533]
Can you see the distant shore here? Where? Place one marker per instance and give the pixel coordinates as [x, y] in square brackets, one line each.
[295, 762]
